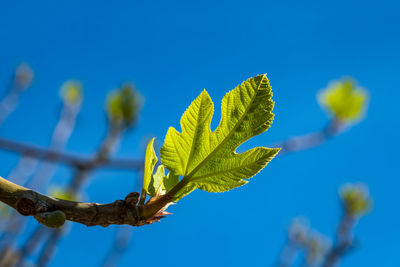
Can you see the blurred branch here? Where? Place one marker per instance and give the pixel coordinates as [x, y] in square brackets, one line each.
[29, 246]
[21, 81]
[9, 104]
[318, 249]
[79, 162]
[345, 102]
[109, 144]
[122, 110]
[310, 140]
[356, 202]
[344, 242]
[118, 246]
[27, 165]
[61, 134]
[49, 247]
[288, 254]
[297, 237]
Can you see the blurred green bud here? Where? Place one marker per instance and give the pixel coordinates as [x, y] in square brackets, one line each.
[355, 199]
[344, 100]
[53, 219]
[23, 76]
[123, 105]
[71, 92]
[60, 193]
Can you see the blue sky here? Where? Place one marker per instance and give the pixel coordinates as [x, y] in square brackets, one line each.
[172, 50]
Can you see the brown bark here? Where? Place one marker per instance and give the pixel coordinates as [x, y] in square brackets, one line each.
[30, 203]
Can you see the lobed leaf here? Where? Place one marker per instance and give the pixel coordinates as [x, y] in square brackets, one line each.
[170, 181]
[207, 160]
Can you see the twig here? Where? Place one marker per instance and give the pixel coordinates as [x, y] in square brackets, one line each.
[50, 247]
[19, 256]
[344, 241]
[311, 140]
[8, 104]
[32, 242]
[107, 147]
[73, 160]
[288, 254]
[20, 82]
[61, 134]
[118, 247]
[27, 165]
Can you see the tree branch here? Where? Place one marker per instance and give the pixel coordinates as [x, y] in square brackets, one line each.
[31, 203]
[310, 140]
[76, 161]
[49, 248]
[344, 242]
[118, 247]
[21, 80]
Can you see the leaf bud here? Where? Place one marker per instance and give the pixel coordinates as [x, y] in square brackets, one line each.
[355, 199]
[123, 105]
[53, 219]
[344, 100]
[71, 92]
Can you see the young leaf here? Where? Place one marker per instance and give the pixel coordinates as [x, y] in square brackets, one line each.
[156, 184]
[207, 160]
[149, 163]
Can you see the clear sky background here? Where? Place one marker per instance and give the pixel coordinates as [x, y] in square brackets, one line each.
[172, 50]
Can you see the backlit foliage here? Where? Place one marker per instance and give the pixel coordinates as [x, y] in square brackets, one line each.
[207, 160]
[344, 100]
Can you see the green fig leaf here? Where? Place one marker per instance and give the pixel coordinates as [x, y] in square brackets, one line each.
[207, 160]
[170, 181]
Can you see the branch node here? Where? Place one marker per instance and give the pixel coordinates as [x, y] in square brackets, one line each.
[26, 206]
[132, 199]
